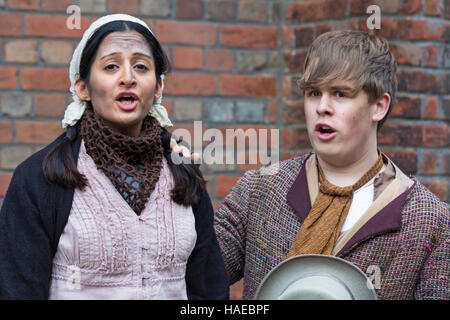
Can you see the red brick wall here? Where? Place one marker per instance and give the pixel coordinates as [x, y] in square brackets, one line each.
[235, 63]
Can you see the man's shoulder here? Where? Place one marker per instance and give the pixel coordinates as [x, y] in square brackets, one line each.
[421, 200]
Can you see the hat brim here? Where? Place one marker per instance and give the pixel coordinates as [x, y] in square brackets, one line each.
[290, 270]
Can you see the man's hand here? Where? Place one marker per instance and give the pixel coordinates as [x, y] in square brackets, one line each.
[184, 151]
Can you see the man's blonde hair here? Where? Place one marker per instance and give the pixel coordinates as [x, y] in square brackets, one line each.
[354, 56]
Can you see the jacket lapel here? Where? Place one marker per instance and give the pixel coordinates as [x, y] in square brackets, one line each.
[386, 213]
[387, 219]
[298, 195]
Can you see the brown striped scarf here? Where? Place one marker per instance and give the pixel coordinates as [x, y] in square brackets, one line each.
[320, 230]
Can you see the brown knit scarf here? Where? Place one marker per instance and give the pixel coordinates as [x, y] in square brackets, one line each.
[132, 164]
[320, 230]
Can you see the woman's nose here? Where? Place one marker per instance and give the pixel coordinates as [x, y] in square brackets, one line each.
[127, 77]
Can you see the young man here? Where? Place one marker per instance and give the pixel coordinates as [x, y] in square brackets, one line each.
[345, 198]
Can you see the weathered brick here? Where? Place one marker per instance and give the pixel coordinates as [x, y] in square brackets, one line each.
[53, 27]
[128, 7]
[187, 58]
[21, 51]
[304, 36]
[420, 81]
[431, 108]
[291, 89]
[438, 187]
[446, 108]
[298, 12]
[253, 11]
[251, 61]
[431, 56]
[397, 134]
[432, 8]
[190, 84]
[44, 79]
[413, 30]
[293, 112]
[221, 10]
[12, 156]
[37, 132]
[435, 135]
[447, 9]
[219, 60]
[249, 111]
[429, 163]
[52, 5]
[189, 9]
[187, 109]
[220, 111]
[8, 77]
[49, 105]
[272, 111]
[224, 185]
[407, 53]
[23, 4]
[247, 86]
[156, 8]
[5, 179]
[406, 160]
[295, 60]
[92, 6]
[10, 24]
[359, 7]
[6, 132]
[300, 138]
[249, 36]
[195, 33]
[16, 104]
[286, 138]
[56, 52]
[445, 163]
[407, 107]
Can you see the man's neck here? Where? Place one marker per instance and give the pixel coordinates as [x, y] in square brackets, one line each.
[348, 172]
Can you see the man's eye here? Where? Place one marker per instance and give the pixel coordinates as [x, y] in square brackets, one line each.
[339, 94]
[314, 93]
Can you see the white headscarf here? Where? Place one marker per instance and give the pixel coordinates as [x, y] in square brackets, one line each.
[75, 110]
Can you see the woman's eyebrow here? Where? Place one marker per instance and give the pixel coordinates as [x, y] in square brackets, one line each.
[134, 54]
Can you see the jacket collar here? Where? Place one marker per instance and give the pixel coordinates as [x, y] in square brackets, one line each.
[388, 218]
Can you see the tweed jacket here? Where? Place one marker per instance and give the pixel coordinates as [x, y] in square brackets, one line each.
[402, 245]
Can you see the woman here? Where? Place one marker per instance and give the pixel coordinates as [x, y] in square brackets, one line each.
[102, 212]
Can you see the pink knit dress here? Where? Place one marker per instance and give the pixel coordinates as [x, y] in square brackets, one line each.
[106, 251]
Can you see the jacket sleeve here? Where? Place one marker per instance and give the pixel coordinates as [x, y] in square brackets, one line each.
[25, 245]
[434, 282]
[231, 226]
[206, 277]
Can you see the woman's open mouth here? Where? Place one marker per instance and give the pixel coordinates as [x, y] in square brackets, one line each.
[325, 132]
[127, 101]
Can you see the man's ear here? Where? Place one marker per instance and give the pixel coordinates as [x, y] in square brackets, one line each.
[381, 106]
[82, 90]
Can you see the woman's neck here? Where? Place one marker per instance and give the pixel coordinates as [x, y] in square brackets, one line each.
[349, 172]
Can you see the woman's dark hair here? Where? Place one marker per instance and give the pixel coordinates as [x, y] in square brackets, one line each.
[59, 166]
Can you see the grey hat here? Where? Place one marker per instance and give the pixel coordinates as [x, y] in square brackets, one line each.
[315, 277]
